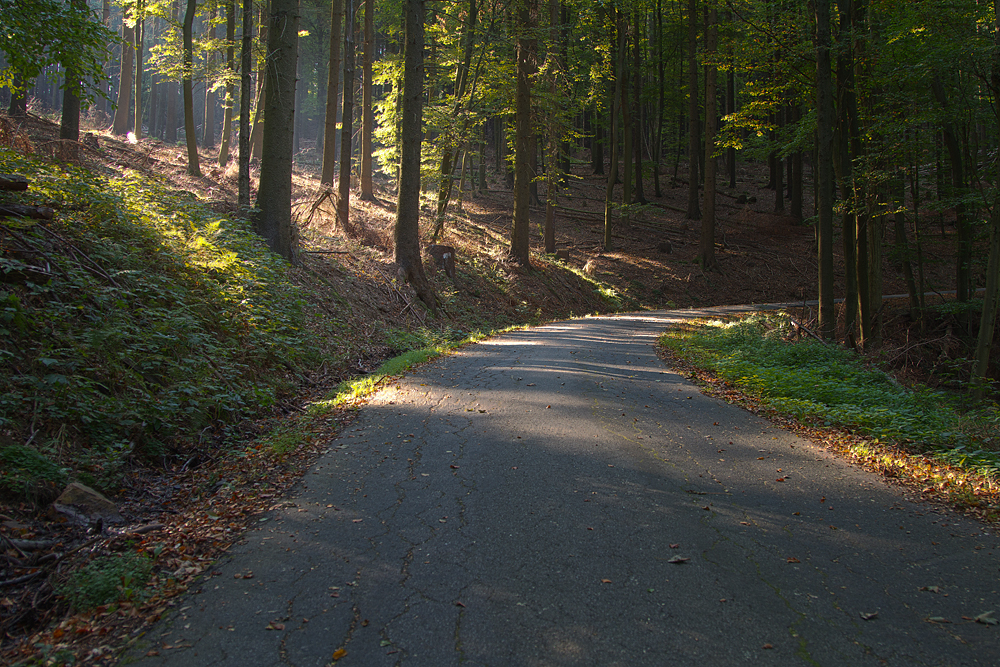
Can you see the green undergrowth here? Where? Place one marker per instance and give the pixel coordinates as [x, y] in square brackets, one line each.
[808, 379]
[135, 319]
[427, 344]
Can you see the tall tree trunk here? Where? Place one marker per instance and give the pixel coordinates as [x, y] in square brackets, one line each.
[227, 122]
[524, 136]
[848, 148]
[193, 168]
[120, 125]
[824, 169]
[246, 90]
[706, 247]
[612, 134]
[694, 143]
[639, 197]
[661, 91]
[347, 121]
[963, 272]
[170, 133]
[333, 83]
[551, 180]
[274, 193]
[626, 107]
[406, 233]
[69, 127]
[257, 134]
[987, 322]
[367, 113]
[208, 130]
[140, 38]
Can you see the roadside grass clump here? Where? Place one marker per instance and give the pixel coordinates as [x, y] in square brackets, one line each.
[135, 319]
[107, 580]
[814, 381]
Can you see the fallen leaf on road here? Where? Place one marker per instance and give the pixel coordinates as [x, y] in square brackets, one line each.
[605, 581]
[768, 646]
[339, 653]
[675, 546]
[867, 616]
[930, 589]
[779, 479]
[744, 523]
[454, 467]
[986, 618]
[530, 384]
[677, 560]
[589, 528]
[275, 626]
[458, 603]
[938, 619]
[357, 520]
[792, 559]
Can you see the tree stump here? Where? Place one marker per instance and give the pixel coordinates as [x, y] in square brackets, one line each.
[444, 257]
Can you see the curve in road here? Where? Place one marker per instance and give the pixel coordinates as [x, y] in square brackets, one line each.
[557, 496]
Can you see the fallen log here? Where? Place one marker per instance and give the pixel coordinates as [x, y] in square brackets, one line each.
[13, 182]
[24, 211]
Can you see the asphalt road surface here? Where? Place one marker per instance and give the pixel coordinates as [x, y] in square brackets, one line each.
[525, 501]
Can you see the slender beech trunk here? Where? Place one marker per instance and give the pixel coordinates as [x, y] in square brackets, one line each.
[367, 113]
[170, 132]
[333, 83]
[824, 169]
[694, 143]
[140, 35]
[615, 102]
[706, 246]
[639, 197]
[661, 90]
[227, 122]
[208, 129]
[193, 168]
[524, 137]
[246, 90]
[120, 125]
[347, 122]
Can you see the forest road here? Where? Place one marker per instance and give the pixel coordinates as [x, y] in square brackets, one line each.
[524, 501]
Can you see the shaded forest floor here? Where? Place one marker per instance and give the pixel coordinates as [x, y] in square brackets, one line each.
[176, 507]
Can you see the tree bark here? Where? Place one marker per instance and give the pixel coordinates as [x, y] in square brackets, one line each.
[140, 38]
[612, 131]
[824, 168]
[694, 144]
[333, 83]
[193, 168]
[706, 246]
[639, 197]
[274, 193]
[406, 233]
[208, 130]
[347, 121]
[227, 121]
[246, 90]
[120, 124]
[367, 113]
[524, 138]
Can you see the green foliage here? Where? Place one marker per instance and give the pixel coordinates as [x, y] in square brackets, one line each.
[809, 379]
[25, 471]
[159, 319]
[44, 32]
[107, 580]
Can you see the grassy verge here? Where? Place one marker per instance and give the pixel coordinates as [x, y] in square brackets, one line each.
[934, 438]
